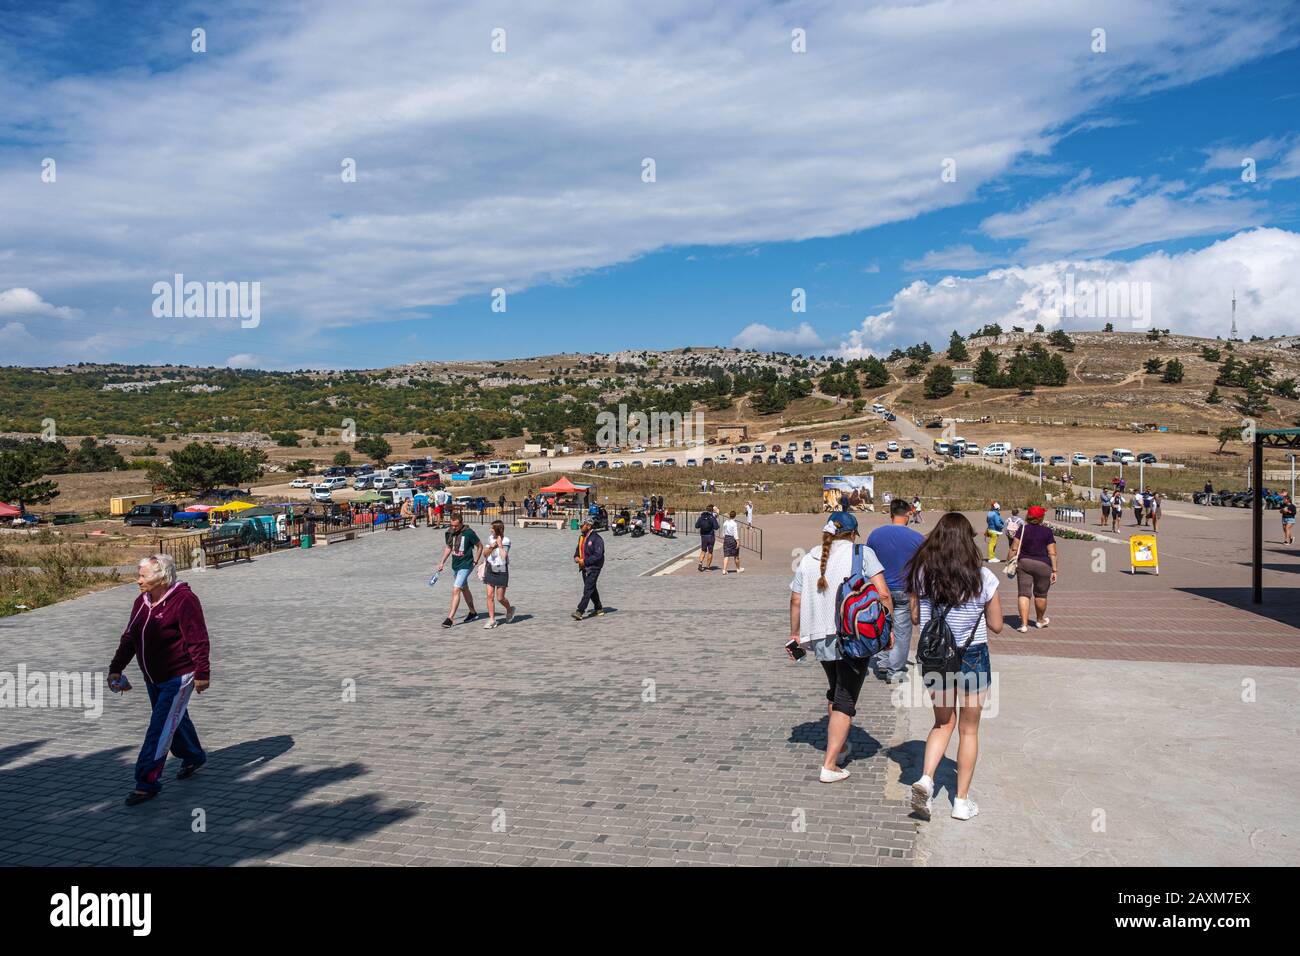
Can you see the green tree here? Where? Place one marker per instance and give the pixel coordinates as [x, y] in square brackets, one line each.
[1253, 402]
[342, 458]
[874, 373]
[1285, 388]
[1058, 339]
[939, 382]
[302, 466]
[1173, 372]
[915, 368]
[986, 368]
[1226, 434]
[957, 348]
[1214, 398]
[1210, 354]
[1110, 327]
[375, 447]
[20, 480]
[1153, 365]
[197, 467]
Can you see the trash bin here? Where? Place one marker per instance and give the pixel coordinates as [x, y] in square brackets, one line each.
[306, 541]
[573, 524]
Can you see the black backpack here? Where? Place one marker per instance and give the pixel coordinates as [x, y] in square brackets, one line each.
[936, 650]
[706, 523]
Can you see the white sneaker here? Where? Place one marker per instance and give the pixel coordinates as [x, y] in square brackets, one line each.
[964, 809]
[833, 776]
[995, 560]
[489, 625]
[923, 796]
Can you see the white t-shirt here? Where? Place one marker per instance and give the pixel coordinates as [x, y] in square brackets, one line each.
[817, 608]
[730, 528]
[499, 558]
[962, 619]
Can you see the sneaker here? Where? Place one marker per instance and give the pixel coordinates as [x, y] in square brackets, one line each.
[489, 625]
[576, 615]
[471, 616]
[510, 614]
[448, 622]
[833, 776]
[599, 612]
[995, 560]
[895, 677]
[964, 809]
[923, 796]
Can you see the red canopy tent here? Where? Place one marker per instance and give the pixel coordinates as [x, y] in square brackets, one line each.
[9, 511]
[564, 487]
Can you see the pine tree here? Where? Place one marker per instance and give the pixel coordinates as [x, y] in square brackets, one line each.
[957, 348]
[939, 382]
[986, 368]
[875, 373]
[1173, 372]
[1214, 398]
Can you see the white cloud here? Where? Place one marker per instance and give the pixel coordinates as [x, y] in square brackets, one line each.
[963, 258]
[764, 337]
[478, 170]
[244, 360]
[20, 302]
[1088, 219]
[1190, 294]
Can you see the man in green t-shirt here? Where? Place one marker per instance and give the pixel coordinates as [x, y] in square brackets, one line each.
[465, 549]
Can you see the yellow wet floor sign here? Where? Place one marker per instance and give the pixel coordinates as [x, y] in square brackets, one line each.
[1142, 553]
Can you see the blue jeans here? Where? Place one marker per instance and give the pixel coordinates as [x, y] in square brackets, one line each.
[895, 659]
[170, 729]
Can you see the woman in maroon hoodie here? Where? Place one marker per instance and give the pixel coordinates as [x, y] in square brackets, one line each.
[169, 641]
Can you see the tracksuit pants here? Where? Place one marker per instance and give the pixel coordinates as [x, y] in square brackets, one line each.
[170, 729]
[589, 592]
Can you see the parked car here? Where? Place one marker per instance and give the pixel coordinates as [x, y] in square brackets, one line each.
[383, 483]
[891, 446]
[1101, 460]
[772, 459]
[1057, 460]
[692, 463]
[301, 483]
[321, 493]
[828, 459]
[618, 464]
[155, 516]
[890, 417]
[807, 445]
[1079, 458]
[742, 450]
[882, 456]
[588, 465]
[788, 458]
[845, 438]
[602, 464]
[362, 482]
[670, 462]
[807, 459]
[908, 453]
[656, 463]
[638, 464]
[1147, 458]
[756, 460]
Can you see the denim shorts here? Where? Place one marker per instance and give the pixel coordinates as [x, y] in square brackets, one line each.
[461, 577]
[974, 677]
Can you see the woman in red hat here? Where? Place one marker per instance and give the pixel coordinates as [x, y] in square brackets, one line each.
[1034, 550]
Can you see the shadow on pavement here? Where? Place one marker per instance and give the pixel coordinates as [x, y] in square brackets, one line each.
[813, 733]
[1280, 604]
[68, 810]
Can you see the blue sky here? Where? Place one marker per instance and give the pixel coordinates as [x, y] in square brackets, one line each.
[522, 170]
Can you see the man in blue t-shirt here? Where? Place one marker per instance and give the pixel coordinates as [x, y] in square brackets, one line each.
[894, 545]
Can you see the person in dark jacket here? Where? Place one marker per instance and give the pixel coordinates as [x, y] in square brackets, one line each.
[589, 555]
[168, 639]
[707, 525]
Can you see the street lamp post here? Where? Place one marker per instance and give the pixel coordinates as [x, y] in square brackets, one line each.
[1142, 476]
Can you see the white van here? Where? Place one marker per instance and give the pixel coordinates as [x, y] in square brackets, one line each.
[878, 408]
[497, 468]
[1122, 455]
[997, 449]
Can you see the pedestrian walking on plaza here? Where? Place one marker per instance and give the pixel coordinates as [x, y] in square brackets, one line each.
[496, 573]
[731, 543]
[916, 508]
[1014, 524]
[993, 532]
[894, 545]
[948, 580]
[589, 555]
[1036, 566]
[813, 628]
[1153, 510]
[1105, 507]
[707, 525]
[1116, 510]
[465, 549]
[749, 512]
[1288, 510]
[168, 638]
[501, 503]
[1137, 509]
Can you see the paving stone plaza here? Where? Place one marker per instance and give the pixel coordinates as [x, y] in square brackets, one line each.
[344, 726]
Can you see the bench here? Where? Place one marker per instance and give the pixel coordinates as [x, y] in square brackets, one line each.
[1069, 514]
[343, 534]
[215, 555]
[557, 523]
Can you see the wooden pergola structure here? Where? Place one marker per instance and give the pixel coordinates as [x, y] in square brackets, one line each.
[1264, 438]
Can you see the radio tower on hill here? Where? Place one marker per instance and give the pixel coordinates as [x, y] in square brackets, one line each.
[1232, 336]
